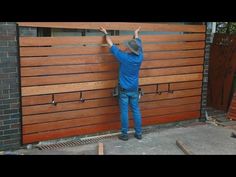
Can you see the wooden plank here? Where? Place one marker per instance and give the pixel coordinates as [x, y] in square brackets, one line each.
[186, 85]
[65, 97]
[98, 59]
[167, 27]
[52, 89]
[42, 99]
[76, 105]
[171, 63]
[176, 94]
[51, 117]
[86, 77]
[69, 69]
[146, 97]
[62, 97]
[84, 50]
[173, 54]
[183, 147]
[171, 118]
[48, 51]
[75, 40]
[72, 78]
[100, 148]
[69, 123]
[102, 119]
[41, 136]
[66, 60]
[173, 86]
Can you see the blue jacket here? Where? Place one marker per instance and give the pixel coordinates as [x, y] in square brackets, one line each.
[129, 66]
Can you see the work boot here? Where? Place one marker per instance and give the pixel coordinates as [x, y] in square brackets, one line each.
[139, 137]
[123, 137]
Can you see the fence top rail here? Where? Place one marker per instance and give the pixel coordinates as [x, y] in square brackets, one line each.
[167, 27]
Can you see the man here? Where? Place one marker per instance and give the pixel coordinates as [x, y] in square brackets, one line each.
[130, 62]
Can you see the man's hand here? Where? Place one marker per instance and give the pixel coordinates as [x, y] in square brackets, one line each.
[108, 39]
[136, 32]
[103, 30]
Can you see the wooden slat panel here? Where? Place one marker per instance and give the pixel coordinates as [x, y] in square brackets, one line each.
[92, 59]
[72, 78]
[65, 97]
[73, 123]
[96, 75]
[68, 69]
[118, 26]
[102, 102]
[48, 126]
[105, 127]
[62, 97]
[68, 106]
[51, 89]
[34, 100]
[51, 117]
[53, 51]
[48, 41]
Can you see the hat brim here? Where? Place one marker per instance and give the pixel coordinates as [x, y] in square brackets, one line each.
[132, 50]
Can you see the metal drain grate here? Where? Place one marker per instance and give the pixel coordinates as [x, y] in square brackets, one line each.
[75, 142]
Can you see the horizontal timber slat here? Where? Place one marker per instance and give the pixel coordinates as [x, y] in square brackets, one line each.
[94, 94]
[102, 67]
[86, 77]
[75, 114]
[98, 59]
[46, 51]
[106, 127]
[118, 26]
[99, 103]
[52, 89]
[53, 41]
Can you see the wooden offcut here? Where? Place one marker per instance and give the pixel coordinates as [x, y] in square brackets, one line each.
[183, 147]
[100, 148]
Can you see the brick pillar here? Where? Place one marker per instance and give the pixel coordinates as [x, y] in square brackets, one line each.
[10, 118]
[209, 37]
[10, 128]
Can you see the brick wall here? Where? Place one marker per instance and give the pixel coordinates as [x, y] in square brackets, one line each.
[9, 89]
[10, 120]
[209, 36]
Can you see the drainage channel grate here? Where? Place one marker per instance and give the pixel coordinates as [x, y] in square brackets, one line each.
[75, 142]
[84, 141]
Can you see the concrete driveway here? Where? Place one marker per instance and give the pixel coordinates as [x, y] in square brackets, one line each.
[203, 139]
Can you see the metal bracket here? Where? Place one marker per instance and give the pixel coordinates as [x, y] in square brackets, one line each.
[53, 100]
[81, 97]
[157, 91]
[168, 91]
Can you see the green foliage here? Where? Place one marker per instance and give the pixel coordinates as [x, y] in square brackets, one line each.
[226, 27]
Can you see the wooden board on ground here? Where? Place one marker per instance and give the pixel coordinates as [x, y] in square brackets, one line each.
[183, 147]
[100, 149]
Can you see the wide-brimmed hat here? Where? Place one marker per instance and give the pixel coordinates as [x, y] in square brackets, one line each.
[133, 46]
